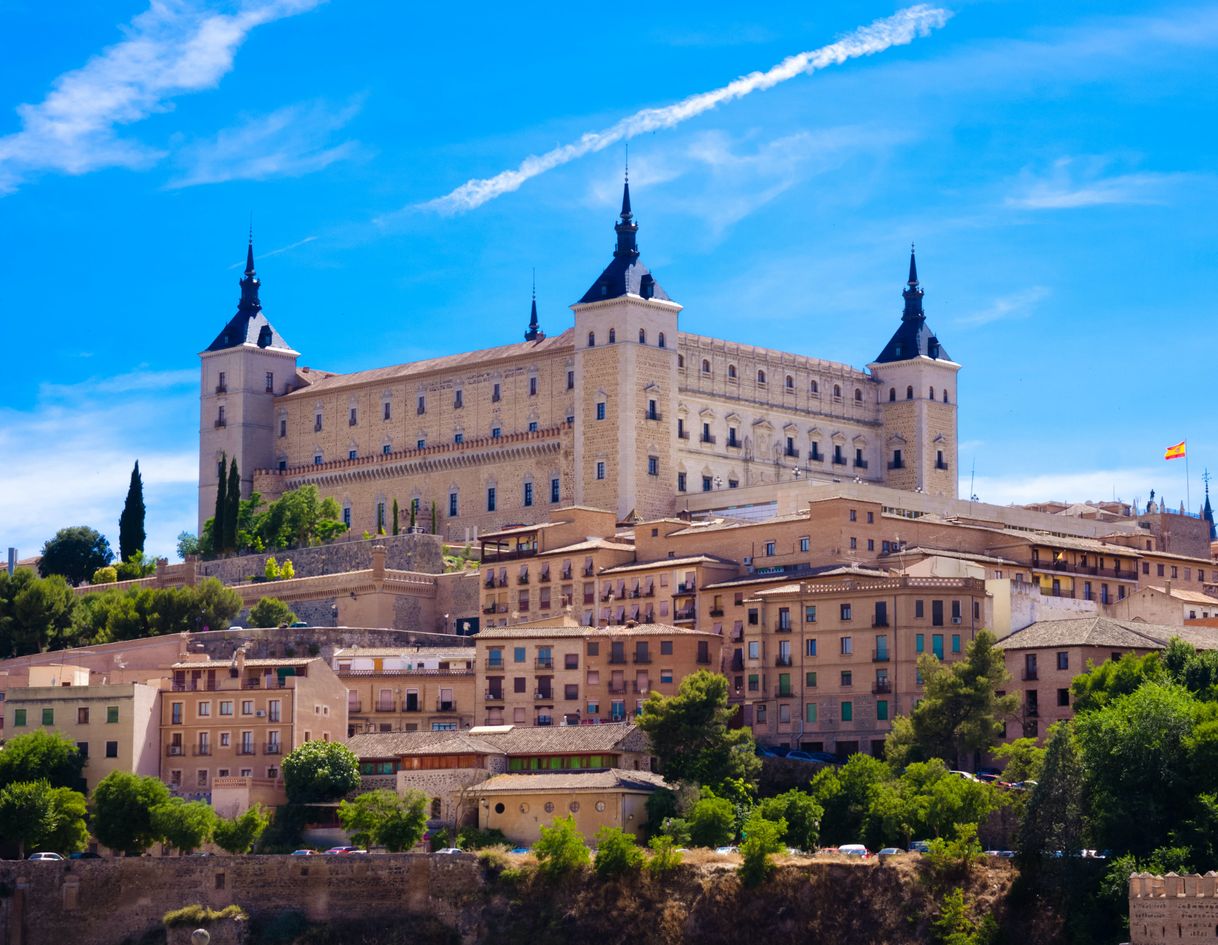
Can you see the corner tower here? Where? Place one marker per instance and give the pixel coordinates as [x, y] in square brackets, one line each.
[242, 372]
[917, 390]
[626, 383]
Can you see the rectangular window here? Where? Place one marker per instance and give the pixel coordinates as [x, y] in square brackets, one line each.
[1063, 660]
[518, 654]
[532, 386]
[111, 714]
[810, 613]
[570, 380]
[82, 715]
[847, 646]
[681, 482]
[452, 505]
[490, 499]
[936, 613]
[459, 438]
[810, 680]
[754, 682]
[226, 707]
[283, 427]
[919, 609]
[532, 426]
[48, 716]
[600, 470]
[420, 444]
[955, 643]
[653, 465]
[422, 408]
[528, 494]
[175, 713]
[810, 712]
[920, 643]
[805, 543]
[847, 711]
[203, 710]
[881, 710]
[706, 483]
[847, 678]
[554, 486]
[1063, 697]
[247, 706]
[936, 645]
[111, 749]
[810, 647]
[83, 748]
[754, 649]
[600, 410]
[19, 718]
[845, 610]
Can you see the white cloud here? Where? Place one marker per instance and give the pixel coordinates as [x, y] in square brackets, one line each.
[68, 461]
[899, 29]
[174, 48]
[289, 142]
[1017, 305]
[1081, 182]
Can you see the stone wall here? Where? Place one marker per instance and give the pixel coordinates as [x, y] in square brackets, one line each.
[403, 553]
[312, 641]
[103, 902]
[1173, 908]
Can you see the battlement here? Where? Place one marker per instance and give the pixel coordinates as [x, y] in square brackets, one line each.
[1173, 908]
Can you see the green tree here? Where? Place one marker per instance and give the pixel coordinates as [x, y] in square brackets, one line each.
[395, 517]
[106, 575]
[926, 801]
[712, 821]
[1024, 759]
[561, 850]
[188, 544]
[75, 553]
[689, 734]
[960, 712]
[122, 811]
[617, 853]
[184, 825]
[131, 535]
[42, 755]
[800, 812]
[955, 857]
[845, 795]
[320, 771]
[762, 838]
[41, 817]
[1100, 684]
[219, 527]
[215, 605]
[239, 834]
[232, 506]
[44, 611]
[1053, 819]
[385, 818]
[665, 857]
[271, 612]
[299, 518]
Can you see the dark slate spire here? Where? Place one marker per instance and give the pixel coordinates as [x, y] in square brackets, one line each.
[534, 333]
[913, 338]
[1207, 511]
[249, 325]
[626, 274]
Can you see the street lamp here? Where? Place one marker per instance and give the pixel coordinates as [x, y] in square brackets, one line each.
[718, 482]
[200, 937]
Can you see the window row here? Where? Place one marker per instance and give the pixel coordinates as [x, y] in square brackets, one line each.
[788, 383]
[224, 709]
[222, 382]
[661, 341]
[909, 394]
[47, 713]
[202, 775]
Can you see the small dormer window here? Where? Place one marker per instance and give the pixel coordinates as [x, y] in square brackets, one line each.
[264, 336]
[647, 286]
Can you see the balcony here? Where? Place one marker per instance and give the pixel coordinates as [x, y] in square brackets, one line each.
[494, 664]
[201, 751]
[791, 452]
[544, 720]
[897, 464]
[1030, 674]
[351, 422]
[839, 460]
[221, 388]
[641, 688]
[246, 749]
[446, 705]
[617, 659]
[493, 695]
[816, 457]
[543, 662]
[716, 612]
[589, 570]
[879, 622]
[879, 656]
[707, 438]
[683, 435]
[544, 576]
[881, 686]
[642, 658]
[488, 609]
[687, 587]
[737, 662]
[565, 574]
[272, 748]
[221, 423]
[354, 707]
[860, 463]
[784, 626]
[782, 661]
[523, 579]
[384, 706]
[683, 615]
[733, 443]
[653, 415]
[940, 464]
[174, 751]
[544, 695]
[617, 689]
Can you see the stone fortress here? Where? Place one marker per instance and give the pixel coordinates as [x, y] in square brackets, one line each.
[623, 411]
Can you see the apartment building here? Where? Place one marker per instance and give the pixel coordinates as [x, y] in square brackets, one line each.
[237, 718]
[407, 689]
[826, 666]
[580, 675]
[115, 726]
[1043, 659]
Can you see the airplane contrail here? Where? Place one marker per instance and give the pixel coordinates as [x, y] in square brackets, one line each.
[897, 30]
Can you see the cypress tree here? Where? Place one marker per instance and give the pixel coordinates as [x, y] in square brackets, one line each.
[233, 507]
[217, 522]
[131, 534]
[395, 516]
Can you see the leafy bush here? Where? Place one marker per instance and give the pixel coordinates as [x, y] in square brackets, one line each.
[802, 815]
[185, 825]
[471, 838]
[954, 925]
[955, 857]
[617, 853]
[106, 575]
[665, 857]
[239, 834]
[122, 811]
[438, 840]
[197, 915]
[271, 612]
[677, 830]
[712, 821]
[385, 818]
[493, 860]
[762, 838]
[320, 771]
[561, 849]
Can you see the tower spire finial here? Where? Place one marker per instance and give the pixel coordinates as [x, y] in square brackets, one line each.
[249, 285]
[534, 332]
[913, 292]
[626, 228]
[913, 266]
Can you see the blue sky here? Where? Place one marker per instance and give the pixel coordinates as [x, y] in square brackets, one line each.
[1053, 162]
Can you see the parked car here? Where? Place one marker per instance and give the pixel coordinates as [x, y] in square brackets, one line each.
[890, 851]
[725, 850]
[299, 625]
[84, 855]
[1001, 854]
[45, 857]
[854, 849]
[306, 853]
[989, 778]
[345, 851]
[919, 846]
[450, 850]
[770, 751]
[967, 775]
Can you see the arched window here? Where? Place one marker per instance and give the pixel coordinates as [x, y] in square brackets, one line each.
[932, 393]
[436, 809]
[837, 391]
[945, 395]
[612, 336]
[815, 388]
[661, 341]
[731, 372]
[892, 394]
[591, 339]
[705, 366]
[642, 336]
[790, 382]
[761, 378]
[858, 396]
[909, 393]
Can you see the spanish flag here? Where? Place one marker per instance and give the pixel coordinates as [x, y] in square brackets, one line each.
[1175, 452]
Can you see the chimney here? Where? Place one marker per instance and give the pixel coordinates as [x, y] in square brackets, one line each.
[378, 562]
[1169, 588]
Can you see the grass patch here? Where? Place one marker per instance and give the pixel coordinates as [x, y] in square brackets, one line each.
[196, 914]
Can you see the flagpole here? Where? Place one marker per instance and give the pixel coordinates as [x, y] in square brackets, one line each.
[1188, 499]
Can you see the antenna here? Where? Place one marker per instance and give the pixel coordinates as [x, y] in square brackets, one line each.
[972, 476]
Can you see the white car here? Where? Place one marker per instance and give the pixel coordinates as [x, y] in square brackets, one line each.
[449, 851]
[854, 849]
[48, 857]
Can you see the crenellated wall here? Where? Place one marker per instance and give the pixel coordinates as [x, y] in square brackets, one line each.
[1173, 908]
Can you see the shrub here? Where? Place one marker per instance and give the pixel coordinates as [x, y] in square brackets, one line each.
[385, 818]
[106, 575]
[438, 840]
[665, 857]
[239, 834]
[561, 849]
[802, 814]
[271, 612]
[493, 860]
[955, 857]
[288, 571]
[677, 830]
[320, 771]
[762, 838]
[471, 838]
[954, 925]
[197, 915]
[617, 853]
[712, 821]
[271, 570]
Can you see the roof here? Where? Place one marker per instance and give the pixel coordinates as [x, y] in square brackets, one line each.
[407, 652]
[432, 365]
[1193, 597]
[1104, 632]
[669, 563]
[249, 663]
[614, 778]
[504, 740]
[1054, 540]
[626, 274]
[249, 326]
[638, 630]
[793, 580]
[913, 338]
[949, 553]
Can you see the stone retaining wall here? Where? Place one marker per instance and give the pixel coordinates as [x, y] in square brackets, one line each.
[403, 553]
[1173, 908]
